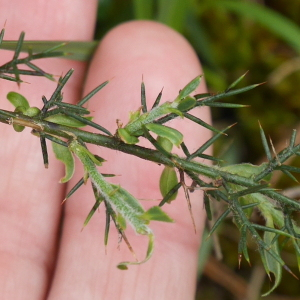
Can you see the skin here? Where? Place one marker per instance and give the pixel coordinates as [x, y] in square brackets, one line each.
[44, 258]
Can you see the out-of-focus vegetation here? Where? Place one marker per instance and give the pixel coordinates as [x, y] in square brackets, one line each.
[231, 37]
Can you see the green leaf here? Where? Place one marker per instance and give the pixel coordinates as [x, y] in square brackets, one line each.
[189, 88]
[20, 109]
[126, 137]
[168, 180]
[246, 169]
[17, 99]
[247, 211]
[273, 265]
[155, 213]
[134, 115]
[63, 154]
[18, 128]
[62, 119]
[165, 143]
[123, 265]
[187, 103]
[242, 247]
[173, 135]
[32, 112]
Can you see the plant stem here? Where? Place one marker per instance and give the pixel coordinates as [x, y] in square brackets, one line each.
[115, 143]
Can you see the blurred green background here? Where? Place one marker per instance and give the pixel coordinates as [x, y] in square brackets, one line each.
[232, 37]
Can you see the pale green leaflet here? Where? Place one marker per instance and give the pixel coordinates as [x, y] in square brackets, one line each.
[21, 106]
[121, 201]
[168, 178]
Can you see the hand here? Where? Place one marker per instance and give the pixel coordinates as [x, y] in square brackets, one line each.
[43, 253]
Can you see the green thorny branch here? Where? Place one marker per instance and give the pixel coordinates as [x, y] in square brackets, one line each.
[243, 187]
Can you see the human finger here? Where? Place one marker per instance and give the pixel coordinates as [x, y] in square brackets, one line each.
[164, 59]
[30, 195]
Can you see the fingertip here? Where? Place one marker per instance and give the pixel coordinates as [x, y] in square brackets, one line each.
[136, 50]
[165, 59]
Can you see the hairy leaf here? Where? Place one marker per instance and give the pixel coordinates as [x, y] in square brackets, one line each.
[155, 213]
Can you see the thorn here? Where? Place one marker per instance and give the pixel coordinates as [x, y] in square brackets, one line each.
[289, 270]
[128, 245]
[193, 186]
[237, 81]
[208, 236]
[63, 202]
[259, 124]
[187, 197]
[273, 149]
[258, 84]
[46, 166]
[240, 259]
[232, 125]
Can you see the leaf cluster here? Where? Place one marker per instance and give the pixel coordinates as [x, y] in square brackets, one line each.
[242, 187]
